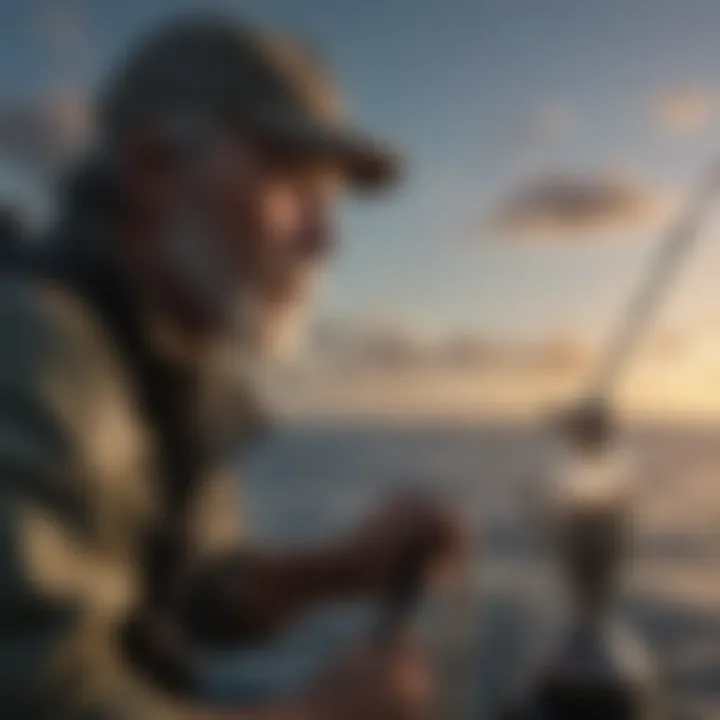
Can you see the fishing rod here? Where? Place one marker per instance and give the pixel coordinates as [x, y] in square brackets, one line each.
[406, 586]
[591, 536]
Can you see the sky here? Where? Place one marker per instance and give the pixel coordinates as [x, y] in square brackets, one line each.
[549, 143]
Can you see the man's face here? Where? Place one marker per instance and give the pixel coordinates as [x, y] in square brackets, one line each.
[246, 231]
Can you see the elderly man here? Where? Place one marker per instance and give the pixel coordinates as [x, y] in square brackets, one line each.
[204, 215]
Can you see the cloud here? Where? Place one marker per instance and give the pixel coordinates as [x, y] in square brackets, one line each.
[560, 355]
[388, 349]
[562, 205]
[685, 111]
[368, 346]
[41, 133]
[390, 371]
[553, 355]
[386, 371]
[69, 120]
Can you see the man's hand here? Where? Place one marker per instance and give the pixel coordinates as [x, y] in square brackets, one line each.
[373, 684]
[252, 595]
[374, 551]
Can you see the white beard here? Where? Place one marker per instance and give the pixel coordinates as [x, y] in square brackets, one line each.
[216, 293]
[267, 339]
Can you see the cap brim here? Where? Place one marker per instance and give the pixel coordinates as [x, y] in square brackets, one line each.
[367, 163]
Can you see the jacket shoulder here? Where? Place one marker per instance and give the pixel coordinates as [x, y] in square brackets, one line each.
[47, 332]
[66, 404]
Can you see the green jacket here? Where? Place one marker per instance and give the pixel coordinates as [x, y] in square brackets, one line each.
[78, 496]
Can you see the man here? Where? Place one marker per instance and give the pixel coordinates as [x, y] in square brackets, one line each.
[204, 215]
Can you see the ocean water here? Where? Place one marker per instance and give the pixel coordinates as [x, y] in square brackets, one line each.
[312, 483]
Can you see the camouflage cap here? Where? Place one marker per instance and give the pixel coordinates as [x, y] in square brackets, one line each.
[267, 84]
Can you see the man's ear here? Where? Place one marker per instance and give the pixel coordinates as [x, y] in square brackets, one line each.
[151, 174]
